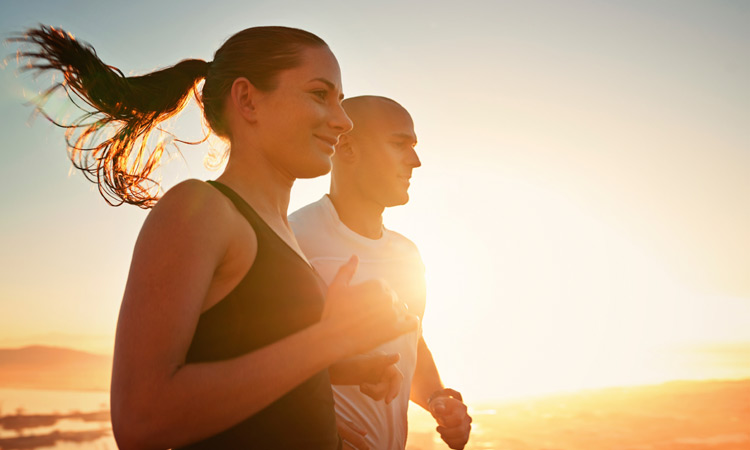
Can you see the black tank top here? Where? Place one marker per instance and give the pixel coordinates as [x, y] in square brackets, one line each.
[280, 295]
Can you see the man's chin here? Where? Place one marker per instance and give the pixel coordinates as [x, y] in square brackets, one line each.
[398, 201]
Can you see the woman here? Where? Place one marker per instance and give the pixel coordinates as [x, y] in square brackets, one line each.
[225, 332]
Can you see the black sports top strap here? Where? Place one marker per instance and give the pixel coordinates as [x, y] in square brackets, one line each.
[280, 295]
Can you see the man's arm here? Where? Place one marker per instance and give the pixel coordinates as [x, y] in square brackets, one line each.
[445, 405]
[426, 380]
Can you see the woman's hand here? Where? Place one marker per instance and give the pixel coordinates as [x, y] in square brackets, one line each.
[365, 315]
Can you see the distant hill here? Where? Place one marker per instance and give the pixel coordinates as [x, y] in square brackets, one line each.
[43, 367]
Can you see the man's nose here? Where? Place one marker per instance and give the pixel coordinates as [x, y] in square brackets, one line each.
[414, 159]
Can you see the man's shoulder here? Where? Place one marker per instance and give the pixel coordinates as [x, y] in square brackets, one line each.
[314, 229]
[307, 215]
[400, 240]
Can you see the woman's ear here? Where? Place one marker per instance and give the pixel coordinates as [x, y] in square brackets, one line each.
[243, 97]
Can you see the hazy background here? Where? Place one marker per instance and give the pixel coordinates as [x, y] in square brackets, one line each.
[582, 210]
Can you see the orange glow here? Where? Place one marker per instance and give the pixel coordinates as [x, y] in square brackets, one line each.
[710, 414]
[536, 295]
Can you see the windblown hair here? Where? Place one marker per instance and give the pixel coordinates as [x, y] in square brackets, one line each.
[129, 109]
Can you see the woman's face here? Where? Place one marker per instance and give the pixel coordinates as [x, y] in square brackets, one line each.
[300, 121]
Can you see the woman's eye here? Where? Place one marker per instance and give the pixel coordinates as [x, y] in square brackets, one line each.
[320, 94]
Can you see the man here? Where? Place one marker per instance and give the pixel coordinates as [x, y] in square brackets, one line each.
[371, 171]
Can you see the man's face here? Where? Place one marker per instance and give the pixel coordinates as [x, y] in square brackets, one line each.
[384, 145]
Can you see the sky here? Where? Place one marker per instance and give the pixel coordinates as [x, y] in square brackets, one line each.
[582, 208]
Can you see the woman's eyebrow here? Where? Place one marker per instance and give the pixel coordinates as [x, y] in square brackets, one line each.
[325, 81]
[329, 84]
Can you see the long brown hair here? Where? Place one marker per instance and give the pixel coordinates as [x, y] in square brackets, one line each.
[131, 108]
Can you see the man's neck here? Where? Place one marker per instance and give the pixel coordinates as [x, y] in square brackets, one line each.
[363, 217]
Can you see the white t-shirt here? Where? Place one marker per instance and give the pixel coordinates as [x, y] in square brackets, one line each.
[328, 244]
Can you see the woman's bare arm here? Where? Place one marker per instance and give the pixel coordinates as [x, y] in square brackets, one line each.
[158, 401]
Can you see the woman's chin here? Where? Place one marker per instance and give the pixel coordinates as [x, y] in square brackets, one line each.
[322, 167]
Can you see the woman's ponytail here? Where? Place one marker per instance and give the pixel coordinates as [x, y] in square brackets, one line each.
[121, 164]
[130, 108]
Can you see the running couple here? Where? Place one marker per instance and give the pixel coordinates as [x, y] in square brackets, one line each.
[227, 337]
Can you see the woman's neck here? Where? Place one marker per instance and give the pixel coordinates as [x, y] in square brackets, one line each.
[263, 186]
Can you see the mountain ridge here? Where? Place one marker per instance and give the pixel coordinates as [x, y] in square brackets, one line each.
[50, 367]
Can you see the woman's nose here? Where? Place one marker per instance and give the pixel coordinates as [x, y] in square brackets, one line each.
[340, 121]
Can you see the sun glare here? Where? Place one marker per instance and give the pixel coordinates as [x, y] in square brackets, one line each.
[538, 295]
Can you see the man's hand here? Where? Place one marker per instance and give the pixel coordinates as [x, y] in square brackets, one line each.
[353, 436]
[385, 380]
[454, 422]
[375, 373]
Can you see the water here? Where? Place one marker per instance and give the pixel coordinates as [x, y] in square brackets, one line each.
[697, 415]
[63, 433]
[39, 401]
[704, 415]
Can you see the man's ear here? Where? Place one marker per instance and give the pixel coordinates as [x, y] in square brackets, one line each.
[243, 97]
[345, 149]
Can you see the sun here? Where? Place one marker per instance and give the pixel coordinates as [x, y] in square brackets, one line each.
[528, 292]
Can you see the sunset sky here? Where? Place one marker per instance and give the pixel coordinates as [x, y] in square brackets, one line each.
[583, 207]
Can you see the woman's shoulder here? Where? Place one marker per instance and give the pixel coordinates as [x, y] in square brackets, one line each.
[193, 206]
[194, 218]
[192, 199]
[197, 192]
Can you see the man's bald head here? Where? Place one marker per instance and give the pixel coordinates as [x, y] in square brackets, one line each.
[366, 110]
[375, 160]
